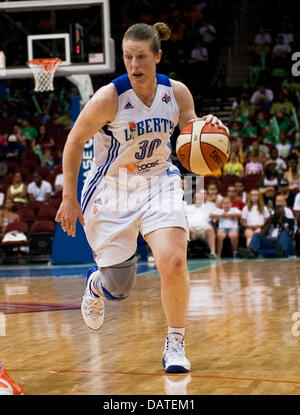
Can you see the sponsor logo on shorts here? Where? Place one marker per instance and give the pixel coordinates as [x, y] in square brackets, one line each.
[147, 166]
[98, 201]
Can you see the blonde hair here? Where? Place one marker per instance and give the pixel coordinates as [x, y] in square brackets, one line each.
[155, 34]
[260, 202]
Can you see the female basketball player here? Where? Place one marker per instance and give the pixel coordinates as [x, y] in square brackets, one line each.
[132, 119]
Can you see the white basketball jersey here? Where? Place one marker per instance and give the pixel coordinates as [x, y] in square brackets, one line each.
[138, 139]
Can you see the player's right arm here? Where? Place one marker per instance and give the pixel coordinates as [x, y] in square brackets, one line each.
[100, 110]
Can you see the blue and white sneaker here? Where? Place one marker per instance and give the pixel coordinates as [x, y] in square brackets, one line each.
[92, 304]
[174, 360]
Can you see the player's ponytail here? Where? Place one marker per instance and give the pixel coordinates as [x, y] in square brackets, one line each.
[141, 31]
[163, 30]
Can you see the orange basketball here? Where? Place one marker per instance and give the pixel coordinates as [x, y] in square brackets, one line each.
[203, 148]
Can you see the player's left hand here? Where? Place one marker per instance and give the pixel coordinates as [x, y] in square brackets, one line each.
[213, 120]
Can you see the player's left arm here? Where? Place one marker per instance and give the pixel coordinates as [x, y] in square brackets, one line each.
[186, 106]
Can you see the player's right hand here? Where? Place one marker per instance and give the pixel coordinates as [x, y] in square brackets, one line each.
[67, 215]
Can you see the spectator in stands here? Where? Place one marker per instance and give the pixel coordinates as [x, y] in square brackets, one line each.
[17, 131]
[43, 139]
[262, 41]
[239, 190]
[270, 174]
[235, 201]
[208, 34]
[287, 35]
[280, 53]
[276, 234]
[199, 54]
[280, 201]
[254, 215]
[7, 215]
[280, 163]
[213, 195]
[236, 146]
[296, 207]
[39, 189]
[28, 130]
[261, 120]
[247, 108]
[284, 190]
[283, 147]
[17, 191]
[282, 120]
[238, 116]
[233, 167]
[269, 196]
[262, 97]
[283, 103]
[253, 166]
[236, 129]
[59, 182]
[261, 150]
[293, 173]
[13, 150]
[200, 223]
[250, 130]
[228, 219]
[47, 158]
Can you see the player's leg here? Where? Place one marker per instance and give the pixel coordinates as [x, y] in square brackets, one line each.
[113, 283]
[169, 247]
[113, 241]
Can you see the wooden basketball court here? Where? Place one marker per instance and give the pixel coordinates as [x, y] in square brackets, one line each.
[241, 336]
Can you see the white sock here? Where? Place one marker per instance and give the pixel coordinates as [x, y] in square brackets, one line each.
[176, 330]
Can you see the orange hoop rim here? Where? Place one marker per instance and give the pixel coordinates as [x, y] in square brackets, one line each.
[47, 63]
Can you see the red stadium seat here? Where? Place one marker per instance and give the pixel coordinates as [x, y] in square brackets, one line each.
[41, 239]
[30, 164]
[44, 171]
[55, 202]
[46, 213]
[26, 215]
[36, 205]
[43, 226]
[252, 181]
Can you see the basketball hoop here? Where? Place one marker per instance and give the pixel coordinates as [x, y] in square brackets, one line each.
[43, 71]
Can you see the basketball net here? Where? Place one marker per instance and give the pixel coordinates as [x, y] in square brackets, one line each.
[43, 71]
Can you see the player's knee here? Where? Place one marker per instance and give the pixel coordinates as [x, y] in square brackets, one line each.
[118, 281]
[174, 267]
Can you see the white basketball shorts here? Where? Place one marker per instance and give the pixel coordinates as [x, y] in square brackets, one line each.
[114, 217]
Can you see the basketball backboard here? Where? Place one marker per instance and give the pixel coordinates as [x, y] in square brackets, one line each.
[76, 31]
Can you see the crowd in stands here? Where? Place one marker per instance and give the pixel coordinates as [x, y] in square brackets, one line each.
[33, 131]
[264, 162]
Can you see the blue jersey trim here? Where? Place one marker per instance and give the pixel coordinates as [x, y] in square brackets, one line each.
[163, 79]
[173, 170]
[122, 84]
